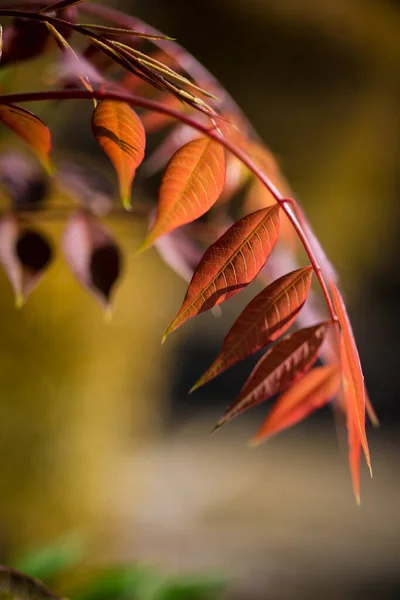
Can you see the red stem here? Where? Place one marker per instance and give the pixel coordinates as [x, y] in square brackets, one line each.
[285, 204]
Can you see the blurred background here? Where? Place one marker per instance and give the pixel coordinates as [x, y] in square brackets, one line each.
[97, 433]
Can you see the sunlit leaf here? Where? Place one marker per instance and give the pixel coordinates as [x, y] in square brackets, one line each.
[192, 182]
[24, 254]
[230, 264]
[353, 379]
[14, 584]
[92, 255]
[281, 365]
[267, 316]
[30, 128]
[311, 392]
[354, 448]
[121, 135]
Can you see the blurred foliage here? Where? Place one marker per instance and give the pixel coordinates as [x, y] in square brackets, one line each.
[58, 565]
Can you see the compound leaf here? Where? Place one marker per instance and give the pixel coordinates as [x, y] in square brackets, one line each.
[30, 128]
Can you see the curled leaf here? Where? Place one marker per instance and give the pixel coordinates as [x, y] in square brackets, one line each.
[267, 317]
[92, 255]
[311, 392]
[281, 365]
[30, 128]
[192, 182]
[24, 254]
[353, 379]
[230, 264]
[121, 135]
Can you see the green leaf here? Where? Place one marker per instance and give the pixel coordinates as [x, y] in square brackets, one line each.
[48, 562]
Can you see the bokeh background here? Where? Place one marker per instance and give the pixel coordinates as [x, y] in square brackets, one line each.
[97, 433]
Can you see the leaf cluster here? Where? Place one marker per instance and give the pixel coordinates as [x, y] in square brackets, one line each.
[221, 189]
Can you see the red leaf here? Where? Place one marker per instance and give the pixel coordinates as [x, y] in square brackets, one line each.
[280, 366]
[92, 255]
[121, 135]
[24, 254]
[30, 128]
[267, 316]
[230, 264]
[192, 182]
[353, 379]
[311, 392]
[354, 450]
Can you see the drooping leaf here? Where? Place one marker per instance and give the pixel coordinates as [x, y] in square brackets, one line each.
[192, 182]
[311, 392]
[230, 264]
[121, 135]
[353, 379]
[14, 584]
[24, 254]
[267, 317]
[92, 255]
[281, 365]
[354, 440]
[30, 128]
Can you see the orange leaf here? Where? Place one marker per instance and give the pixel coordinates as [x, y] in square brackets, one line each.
[267, 316]
[30, 128]
[280, 366]
[230, 264]
[192, 182]
[311, 392]
[121, 135]
[353, 379]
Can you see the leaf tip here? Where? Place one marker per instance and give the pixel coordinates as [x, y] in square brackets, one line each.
[198, 384]
[142, 248]
[19, 301]
[253, 443]
[126, 201]
[218, 425]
